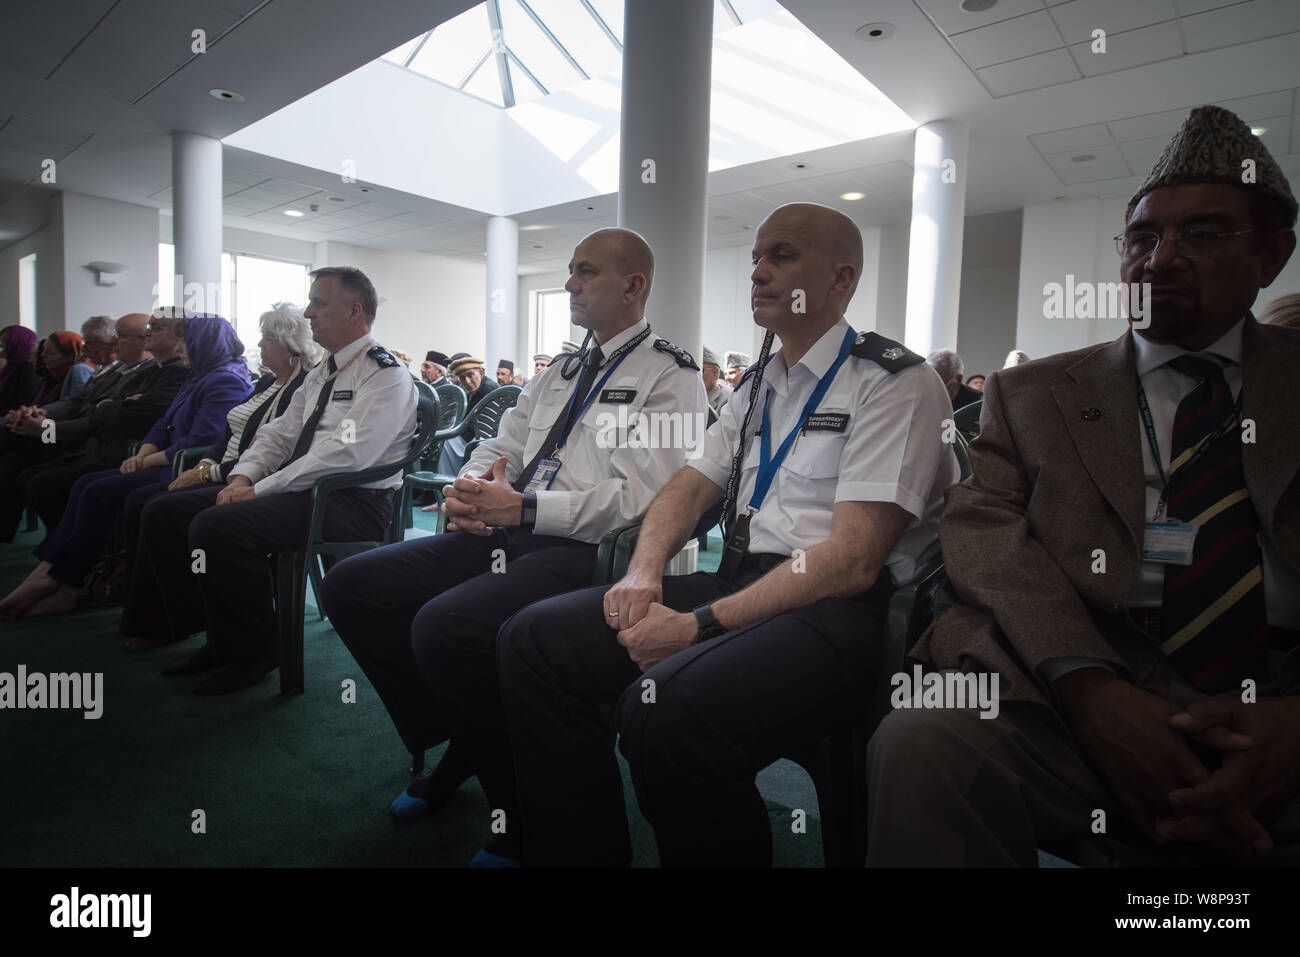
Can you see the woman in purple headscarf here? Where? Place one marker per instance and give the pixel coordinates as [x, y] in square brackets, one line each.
[219, 380]
[19, 379]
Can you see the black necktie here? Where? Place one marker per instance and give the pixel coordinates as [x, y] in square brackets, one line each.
[1214, 625]
[309, 427]
[589, 370]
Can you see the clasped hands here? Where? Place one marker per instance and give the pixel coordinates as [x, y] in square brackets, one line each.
[1141, 743]
[26, 420]
[476, 504]
[649, 630]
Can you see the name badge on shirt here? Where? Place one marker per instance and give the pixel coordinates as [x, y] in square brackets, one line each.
[341, 394]
[617, 395]
[827, 422]
[1168, 543]
[543, 475]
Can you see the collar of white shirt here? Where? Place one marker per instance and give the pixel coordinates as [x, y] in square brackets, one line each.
[344, 355]
[627, 335]
[1152, 355]
[817, 360]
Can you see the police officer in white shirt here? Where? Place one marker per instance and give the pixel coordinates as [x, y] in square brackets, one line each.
[839, 486]
[582, 453]
[353, 411]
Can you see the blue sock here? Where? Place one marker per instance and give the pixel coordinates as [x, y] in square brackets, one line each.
[407, 807]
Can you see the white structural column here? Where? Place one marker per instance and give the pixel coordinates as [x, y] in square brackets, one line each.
[196, 221]
[934, 253]
[664, 153]
[503, 295]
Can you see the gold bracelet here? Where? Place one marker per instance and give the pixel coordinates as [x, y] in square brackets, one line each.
[205, 472]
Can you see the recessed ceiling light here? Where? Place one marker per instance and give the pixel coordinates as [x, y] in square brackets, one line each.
[874, 31]
[292, 212]
[1082, 158]
[978, 6]
[364, 189]
[537, 245]
[226, 96]
[800, 164]
[723, 216]
[1060, 199]
[1259, 130]
[591, 207]
[852, 196]
[337, 199]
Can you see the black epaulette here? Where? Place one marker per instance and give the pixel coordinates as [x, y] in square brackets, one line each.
[385, 358]
[889, 355]
[677, 352]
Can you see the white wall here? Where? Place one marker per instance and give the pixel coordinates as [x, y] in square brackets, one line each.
[1059, 240]
[245, 242]
[47, 243]
[990, 276]
[104, 229]
[425, 301]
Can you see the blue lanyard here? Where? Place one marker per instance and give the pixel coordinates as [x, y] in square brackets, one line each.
[1149, 427]
[571, 422]
[767, 465]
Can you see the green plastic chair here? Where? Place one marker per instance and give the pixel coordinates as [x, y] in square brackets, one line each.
[967, 419]
[186, 459]
[294, 568]
[485, 420]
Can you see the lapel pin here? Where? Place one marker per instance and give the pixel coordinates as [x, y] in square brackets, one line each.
[1091, 415]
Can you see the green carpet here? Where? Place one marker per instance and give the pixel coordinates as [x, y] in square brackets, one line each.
[298, 781]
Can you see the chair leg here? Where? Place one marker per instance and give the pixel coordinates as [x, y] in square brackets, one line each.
[291, 594]
[316, 578]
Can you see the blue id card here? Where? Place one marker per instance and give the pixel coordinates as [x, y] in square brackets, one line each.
[1169, 543]
[543, 475]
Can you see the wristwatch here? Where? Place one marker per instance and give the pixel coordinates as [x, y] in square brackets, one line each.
[708, 624]
[528, 511]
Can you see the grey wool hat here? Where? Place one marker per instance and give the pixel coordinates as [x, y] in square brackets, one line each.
[711, 358]
[738, 359]
[1212, 147]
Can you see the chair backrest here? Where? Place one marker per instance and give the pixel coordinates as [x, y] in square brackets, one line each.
[452, 403]
[188, 458]
[961, 447]
[967, 418]
[486, 416]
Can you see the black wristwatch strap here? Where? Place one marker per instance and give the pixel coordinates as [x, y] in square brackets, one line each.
[708, 623]
[528, 514]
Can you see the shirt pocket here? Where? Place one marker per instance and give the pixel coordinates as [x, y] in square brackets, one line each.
[817, 455]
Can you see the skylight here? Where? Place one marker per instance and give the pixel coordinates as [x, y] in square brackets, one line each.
[515, 51]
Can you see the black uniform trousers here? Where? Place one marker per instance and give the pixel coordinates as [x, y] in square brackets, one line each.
[695, 728]
[233, 596]
[390, 605]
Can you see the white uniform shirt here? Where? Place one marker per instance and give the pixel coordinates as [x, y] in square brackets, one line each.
[608, 475]
[368, 421]
[1165, 387]
[891, 449]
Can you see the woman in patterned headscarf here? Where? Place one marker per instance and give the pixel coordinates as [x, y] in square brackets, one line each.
[18, 377]
[197, 417]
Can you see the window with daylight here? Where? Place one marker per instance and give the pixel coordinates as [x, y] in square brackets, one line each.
[551, 323]
[250, 285]
[27, 291]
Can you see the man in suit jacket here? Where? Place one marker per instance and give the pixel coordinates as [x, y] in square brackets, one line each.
[1162, 693]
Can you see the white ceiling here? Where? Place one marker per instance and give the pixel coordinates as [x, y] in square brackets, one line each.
[98, 85]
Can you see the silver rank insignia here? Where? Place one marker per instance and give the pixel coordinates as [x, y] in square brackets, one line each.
[862, 337]
[892, 354]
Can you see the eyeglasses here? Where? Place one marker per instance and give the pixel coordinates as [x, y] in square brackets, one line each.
[1196, 242]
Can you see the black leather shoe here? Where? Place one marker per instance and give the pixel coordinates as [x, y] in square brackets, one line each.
[235, 677]
[202, 660]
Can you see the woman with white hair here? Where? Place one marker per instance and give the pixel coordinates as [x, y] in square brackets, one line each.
[288, 353]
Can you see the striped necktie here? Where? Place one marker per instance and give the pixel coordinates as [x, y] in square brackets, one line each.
[1213, 620]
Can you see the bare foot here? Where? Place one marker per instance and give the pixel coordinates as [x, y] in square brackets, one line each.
[38, 585]
[65, 599]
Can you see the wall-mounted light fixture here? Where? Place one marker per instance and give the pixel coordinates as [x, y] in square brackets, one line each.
[105, 271]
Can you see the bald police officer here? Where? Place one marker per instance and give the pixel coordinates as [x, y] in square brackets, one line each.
[833, 453]
[353, 411]
[526, 512]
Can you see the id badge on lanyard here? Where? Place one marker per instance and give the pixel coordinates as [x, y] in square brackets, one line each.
[543, 475]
